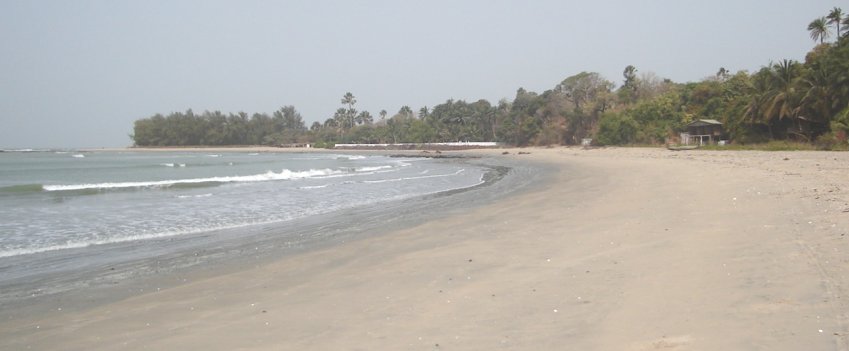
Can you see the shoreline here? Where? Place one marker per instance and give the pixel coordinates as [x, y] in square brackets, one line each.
[634, 249]
[247, 148]
[169, 260]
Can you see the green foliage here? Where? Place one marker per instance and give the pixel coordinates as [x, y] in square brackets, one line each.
[421, 132]
[616, 129]
[836, 138]
[215, 128]
[658, 118]
[362, 135]
[323, 145]
[835, 16]
[819, 29]
[627, 93]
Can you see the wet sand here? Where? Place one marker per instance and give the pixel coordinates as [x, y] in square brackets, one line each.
[625, 249]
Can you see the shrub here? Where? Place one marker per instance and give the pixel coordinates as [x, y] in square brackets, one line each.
[323, 145]
[616, 129]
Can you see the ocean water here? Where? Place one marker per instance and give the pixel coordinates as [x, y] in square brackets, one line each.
[51, 202]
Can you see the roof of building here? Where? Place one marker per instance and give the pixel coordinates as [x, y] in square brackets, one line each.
[704, 122]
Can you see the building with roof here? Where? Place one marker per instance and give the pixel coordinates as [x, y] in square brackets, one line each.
[702, 131]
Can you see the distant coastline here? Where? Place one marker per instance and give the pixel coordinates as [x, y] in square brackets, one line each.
[412, 147]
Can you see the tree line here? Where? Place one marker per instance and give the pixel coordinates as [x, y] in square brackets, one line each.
[284, 126]
[785, 100]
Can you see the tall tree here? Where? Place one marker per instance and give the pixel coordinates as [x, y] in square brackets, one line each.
[383, 115]
[757, 100]
[835, 17]
[341, 119]
[365, 118]
[819, 29]
[588, 93]
[782, 95]
[583, 88]
[406, 111]
[287, 117]
[349, 100]
[722, 74]
[331, 123]
[628, 91]
[846, 26]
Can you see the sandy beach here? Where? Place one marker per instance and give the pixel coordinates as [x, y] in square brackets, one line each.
[625, 249]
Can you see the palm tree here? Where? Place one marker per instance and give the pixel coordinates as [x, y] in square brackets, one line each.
[348, 99]
[818, 102]
[330, 123]
[364, 118]
[383, 114]
[819, 29]
[782, 98]
[723, 74]
[834, 17]
[341, 120]
[845, 26]
[759, 99]
[406, 111]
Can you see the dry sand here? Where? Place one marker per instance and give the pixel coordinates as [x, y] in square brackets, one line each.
[628, 249]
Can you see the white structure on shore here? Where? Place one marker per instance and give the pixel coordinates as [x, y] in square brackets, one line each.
[411, 146]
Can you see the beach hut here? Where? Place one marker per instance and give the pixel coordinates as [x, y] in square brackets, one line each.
[702, 131]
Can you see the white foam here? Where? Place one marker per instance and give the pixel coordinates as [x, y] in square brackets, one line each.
[352, 157]
[413, 178]
[314, 187]
[406, 162]
[194, 196]
[78, 156]
[122, 239]
[171, 232]
[164, 234]
[269, 176]
[29, 251]
[372, 169]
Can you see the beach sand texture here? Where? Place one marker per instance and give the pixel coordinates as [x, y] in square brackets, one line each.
[627, 249]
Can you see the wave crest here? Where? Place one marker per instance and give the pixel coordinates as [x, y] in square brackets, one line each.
[264, 177]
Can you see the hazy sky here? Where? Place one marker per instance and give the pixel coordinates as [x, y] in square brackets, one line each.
[78, 73]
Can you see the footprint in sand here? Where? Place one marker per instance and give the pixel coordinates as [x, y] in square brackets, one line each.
[666, 343]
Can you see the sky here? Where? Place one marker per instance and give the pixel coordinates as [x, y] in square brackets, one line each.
[79, 73]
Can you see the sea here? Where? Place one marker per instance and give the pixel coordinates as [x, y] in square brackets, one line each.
[64, 200]
[64, 213]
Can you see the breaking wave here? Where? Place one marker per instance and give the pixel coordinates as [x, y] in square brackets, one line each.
[264, 177]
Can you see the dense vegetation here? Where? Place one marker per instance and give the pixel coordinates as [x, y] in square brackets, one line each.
[787, 101]
[215, 128]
